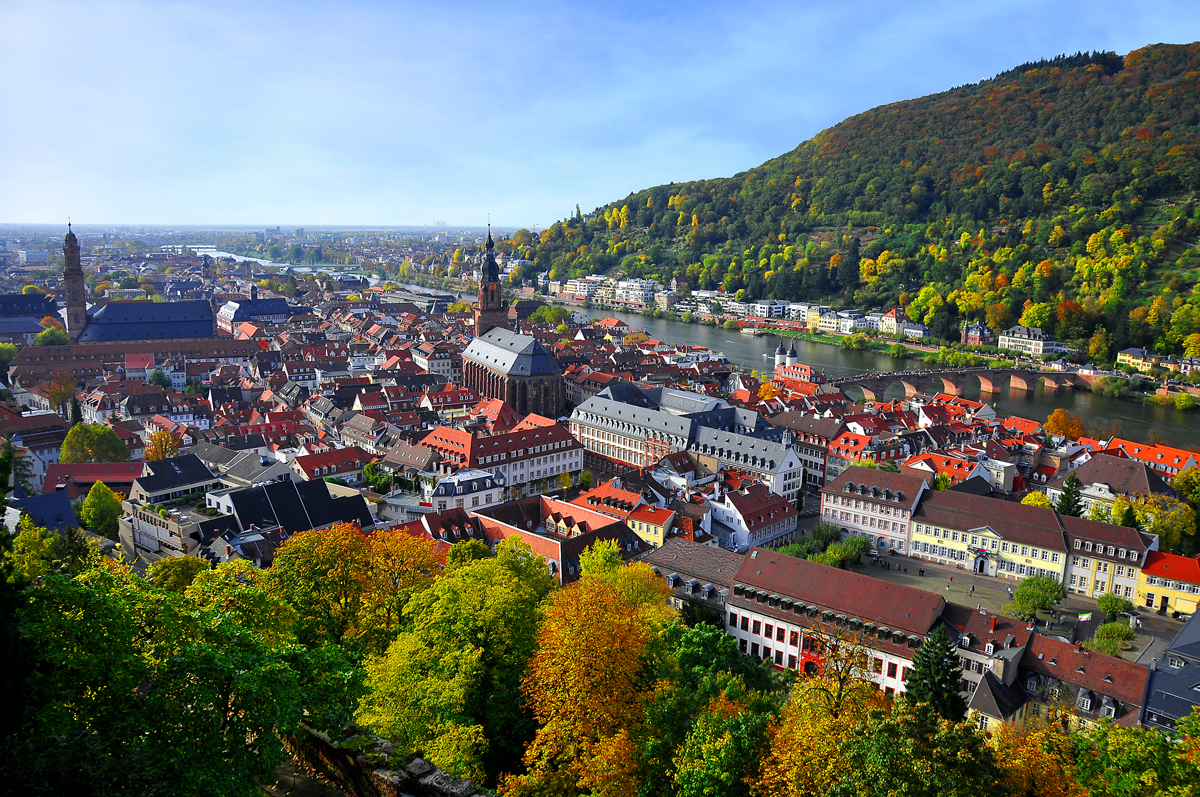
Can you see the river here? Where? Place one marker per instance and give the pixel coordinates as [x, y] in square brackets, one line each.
[1132, 418]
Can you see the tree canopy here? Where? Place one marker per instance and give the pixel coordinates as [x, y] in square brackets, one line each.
[93, 442]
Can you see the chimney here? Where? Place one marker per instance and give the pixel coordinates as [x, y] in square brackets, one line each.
[254, 293]
[992, 624]
[1154, 664]
[1078, 647]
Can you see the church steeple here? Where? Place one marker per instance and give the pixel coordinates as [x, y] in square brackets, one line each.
[74, 288]
[490, 311]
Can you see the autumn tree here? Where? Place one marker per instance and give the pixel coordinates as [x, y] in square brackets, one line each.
[586, 686]
[60, 389]
[807, 750]
[936, 676]
[161, 445]
[400, 565]
[768, 391]
[450, 685]
[101, 510]
[1166, 516]
[324, 575]
[1037, 756]
[1037, 498]
[93, 442]
[1063, 423]
[913, 751]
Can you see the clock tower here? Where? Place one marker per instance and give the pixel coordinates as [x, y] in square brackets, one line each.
[74, 288]
[490, 310]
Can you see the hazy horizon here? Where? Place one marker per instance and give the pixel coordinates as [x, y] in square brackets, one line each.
[372, 115]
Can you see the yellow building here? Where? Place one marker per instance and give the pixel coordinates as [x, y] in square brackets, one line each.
[651, 524]
[1140, 359]
[1168, 583]
[634, 338]
[813, 317]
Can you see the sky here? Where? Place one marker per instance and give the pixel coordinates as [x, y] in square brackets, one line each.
[394, 113]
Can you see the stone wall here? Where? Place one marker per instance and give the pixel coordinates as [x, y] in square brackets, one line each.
[363, 774]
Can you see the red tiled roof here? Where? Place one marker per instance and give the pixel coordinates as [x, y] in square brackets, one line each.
[898, 607]
[1172, 566]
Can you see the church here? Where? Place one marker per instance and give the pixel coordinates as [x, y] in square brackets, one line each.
[505, 365]
[140, 320]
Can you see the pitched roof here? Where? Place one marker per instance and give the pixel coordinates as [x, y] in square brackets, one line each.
[1108, 675]
[893, 605]
[1127, 477]
[511, 354]
[708, 563]
[994, 699]
[1031, 525]
[1172, 566]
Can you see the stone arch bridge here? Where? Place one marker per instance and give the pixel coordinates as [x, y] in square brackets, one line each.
[955, 380]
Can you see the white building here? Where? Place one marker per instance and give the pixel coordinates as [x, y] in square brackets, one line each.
[470, 489]
[873, 503]
[1030, 341]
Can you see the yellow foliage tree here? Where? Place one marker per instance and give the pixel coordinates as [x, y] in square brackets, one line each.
[161, 445]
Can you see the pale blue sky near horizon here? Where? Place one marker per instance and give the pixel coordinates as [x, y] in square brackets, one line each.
[391, 113]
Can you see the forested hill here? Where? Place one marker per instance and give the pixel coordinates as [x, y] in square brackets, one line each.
[1062, 191]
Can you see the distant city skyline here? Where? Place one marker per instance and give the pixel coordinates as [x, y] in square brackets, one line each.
[373, 114]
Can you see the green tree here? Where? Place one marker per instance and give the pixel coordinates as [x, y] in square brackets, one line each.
[451, 685]
[157, 377]
[898, 350]
[942, 482]
[51, 337]
[76, 412]
[1110, 637]
[465, 552]
[379, 480]
[175, 573]
[8, 353]
[1070, 501]
[732, 325]
[147, 679]
[1034, 594]
[1113, 605]
[936, 675]
[101, 510]
[93, 442]
[586, 479]
[912, 751]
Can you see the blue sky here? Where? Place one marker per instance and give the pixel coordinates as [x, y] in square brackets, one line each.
[380, 113]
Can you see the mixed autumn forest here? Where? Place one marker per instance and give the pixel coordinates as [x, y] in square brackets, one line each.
[1058, 194]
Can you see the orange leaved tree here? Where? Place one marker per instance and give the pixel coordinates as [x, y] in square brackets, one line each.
[1064, 423]
[587, 682]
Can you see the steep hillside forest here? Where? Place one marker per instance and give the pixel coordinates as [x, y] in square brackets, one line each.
[1059, 194]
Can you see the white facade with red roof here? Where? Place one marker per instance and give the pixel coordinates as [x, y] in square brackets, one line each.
[753, 515]
[343, 463]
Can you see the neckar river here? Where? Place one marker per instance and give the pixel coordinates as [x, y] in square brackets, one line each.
[1131, 418]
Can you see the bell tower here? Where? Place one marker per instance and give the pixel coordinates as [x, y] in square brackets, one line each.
[490, 310]
[74, 287]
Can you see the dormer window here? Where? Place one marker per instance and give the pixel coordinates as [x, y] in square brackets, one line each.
[990, 648]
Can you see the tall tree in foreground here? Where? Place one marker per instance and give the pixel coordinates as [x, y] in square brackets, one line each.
[587, 683]
[935, 677]
[913, 752]
[450, 684]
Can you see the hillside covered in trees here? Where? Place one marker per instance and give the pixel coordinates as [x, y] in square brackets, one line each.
[1061, 193]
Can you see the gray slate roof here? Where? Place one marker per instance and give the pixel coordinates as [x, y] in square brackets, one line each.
[149, 321]
[512, 354]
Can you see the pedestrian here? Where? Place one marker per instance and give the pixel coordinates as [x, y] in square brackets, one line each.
[951, 579]
[971, 594]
